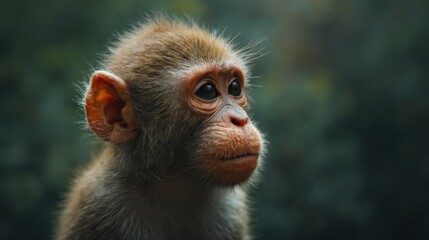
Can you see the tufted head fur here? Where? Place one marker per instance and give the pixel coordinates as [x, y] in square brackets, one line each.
[153, 60]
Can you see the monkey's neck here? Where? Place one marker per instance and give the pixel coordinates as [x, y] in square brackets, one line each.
[154, 172]
[178, 196]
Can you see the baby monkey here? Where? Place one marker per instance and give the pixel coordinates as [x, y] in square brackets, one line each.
[170, 103]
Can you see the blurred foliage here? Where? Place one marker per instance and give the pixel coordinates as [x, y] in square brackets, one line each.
[344, 101]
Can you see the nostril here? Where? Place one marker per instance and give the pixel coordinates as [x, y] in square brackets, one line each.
[239, 122]
[235, 122]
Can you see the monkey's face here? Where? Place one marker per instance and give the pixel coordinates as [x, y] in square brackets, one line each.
[229, 145]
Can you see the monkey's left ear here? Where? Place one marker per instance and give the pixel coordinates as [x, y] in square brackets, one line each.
[108, 108]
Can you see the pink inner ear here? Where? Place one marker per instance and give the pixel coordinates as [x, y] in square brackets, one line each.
[112, 107]
[112, 111]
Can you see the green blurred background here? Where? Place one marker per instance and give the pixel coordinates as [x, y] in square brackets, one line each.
[343, 98]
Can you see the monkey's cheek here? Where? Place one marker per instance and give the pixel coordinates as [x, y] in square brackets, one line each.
[232, 171]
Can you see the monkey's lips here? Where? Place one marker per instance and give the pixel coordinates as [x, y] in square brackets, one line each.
[242, 157]
[240, 163]
[233, 170]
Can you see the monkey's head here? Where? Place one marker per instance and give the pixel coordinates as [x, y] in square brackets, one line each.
[172, 101]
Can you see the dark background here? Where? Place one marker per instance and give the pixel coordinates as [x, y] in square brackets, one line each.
[343, 98]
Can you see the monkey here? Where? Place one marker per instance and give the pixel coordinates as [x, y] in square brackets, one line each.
[180, 152]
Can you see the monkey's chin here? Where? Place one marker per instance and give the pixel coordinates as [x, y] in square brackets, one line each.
[232, 171]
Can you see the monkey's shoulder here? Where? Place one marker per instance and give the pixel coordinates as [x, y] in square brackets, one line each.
[104, 208]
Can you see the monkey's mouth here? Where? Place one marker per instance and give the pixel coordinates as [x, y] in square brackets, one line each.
[239, 157]
[233, 169]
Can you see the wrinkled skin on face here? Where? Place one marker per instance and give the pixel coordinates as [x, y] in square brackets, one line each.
[230, 145]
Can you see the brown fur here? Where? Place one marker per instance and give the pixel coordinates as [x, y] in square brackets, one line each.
[170, 168]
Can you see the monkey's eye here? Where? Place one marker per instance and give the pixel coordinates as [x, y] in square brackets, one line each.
[235, 88]
[207, 92]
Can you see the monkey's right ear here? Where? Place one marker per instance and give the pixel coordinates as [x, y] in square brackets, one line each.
[108, 108]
